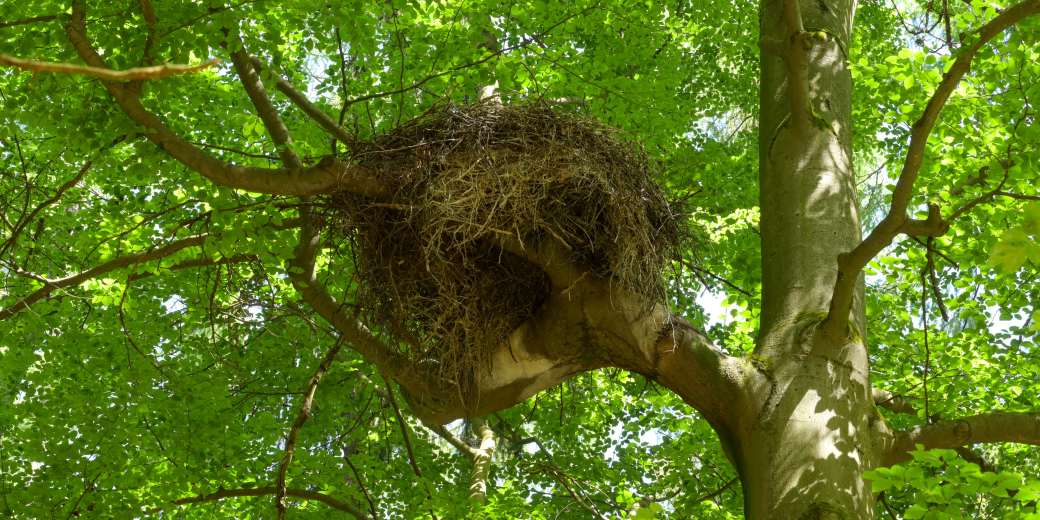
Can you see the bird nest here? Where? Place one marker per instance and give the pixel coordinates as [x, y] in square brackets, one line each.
[429, 272]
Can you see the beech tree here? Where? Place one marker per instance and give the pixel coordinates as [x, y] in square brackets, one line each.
[596, 259]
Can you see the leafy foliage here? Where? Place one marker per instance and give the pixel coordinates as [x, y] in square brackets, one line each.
[176, 377]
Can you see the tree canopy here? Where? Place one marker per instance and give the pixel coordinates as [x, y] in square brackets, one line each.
[171, 347]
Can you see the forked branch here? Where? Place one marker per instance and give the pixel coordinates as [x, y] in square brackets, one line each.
[896, 221]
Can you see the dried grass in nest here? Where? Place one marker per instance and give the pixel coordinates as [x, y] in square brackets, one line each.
[429, 273]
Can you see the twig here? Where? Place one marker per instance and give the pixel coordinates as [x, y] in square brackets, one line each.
[361, 483]
[927, 350]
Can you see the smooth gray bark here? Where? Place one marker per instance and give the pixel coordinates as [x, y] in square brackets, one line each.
[803, 448]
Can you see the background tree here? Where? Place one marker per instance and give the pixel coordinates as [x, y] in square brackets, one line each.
[258, 258]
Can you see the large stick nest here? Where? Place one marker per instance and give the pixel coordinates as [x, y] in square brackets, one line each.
[429, 271]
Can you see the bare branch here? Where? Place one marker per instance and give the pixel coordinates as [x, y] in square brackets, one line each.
[1023, 428]
[106, 74]
[896, 221]
[405, 433]
[116, 263]
[270, 490]
[301, 417]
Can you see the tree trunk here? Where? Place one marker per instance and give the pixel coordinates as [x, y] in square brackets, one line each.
[802, 449]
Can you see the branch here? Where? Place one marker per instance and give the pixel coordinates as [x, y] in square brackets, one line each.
[1023, 428]
[116, 263]
[104, 73]
[27, 21]
[796, 60]
[458, 443]
[294, 431]
[481, 462]
[270, 490]
[264, 108]
[327, 176]
[689, 364]
[405, 431]
[203, 261]
[389, 362]
[406, 435]
[896, 221]
[312, 111]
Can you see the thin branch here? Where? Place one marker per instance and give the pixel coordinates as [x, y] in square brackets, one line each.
[106, 74]
[1017, 196]
[405, 433]
[564, 481]
[27, 21]
[717, 492]
[309, 108]
[720, 278]
[361, 483]
[270, 490]
[933, 279]
[927, 348]
[203, 261]
[896, 221]
[458, 443]
[116, 263]
[1023, 428]
[121, 313]
[26, 219]
[888, 509]
[301, 417]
